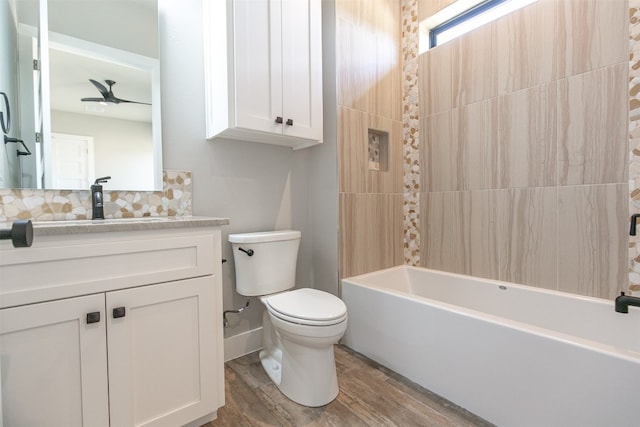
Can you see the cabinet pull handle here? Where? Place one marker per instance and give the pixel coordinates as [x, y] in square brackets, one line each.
[279, 120]
[93, 317]
[289, 122]
[119, 312]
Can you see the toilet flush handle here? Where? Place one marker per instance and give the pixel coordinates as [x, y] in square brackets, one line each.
[248, 252]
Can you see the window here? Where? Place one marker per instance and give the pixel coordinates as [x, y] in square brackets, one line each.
[464, 16]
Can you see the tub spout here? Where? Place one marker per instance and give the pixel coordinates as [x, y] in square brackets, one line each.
[623, 302]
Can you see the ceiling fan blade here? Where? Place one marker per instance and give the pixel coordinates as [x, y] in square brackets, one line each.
[101, 88]
[93, 100]
[118, 100]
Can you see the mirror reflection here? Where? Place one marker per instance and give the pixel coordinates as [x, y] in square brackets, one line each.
[98, 83]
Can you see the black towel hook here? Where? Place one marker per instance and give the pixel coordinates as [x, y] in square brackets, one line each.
[6, 125]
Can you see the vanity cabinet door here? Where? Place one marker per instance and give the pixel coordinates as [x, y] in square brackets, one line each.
[54, 363]
[162, 353]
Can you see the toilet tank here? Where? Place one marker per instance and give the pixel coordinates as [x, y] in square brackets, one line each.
[271, 267]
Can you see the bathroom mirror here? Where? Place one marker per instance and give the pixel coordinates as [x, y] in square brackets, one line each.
[70, 107]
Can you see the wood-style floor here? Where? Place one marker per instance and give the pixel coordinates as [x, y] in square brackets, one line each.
[370, 395]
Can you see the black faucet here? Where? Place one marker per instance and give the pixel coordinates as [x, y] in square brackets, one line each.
[632, 229]
[623, 302]
[97, 198]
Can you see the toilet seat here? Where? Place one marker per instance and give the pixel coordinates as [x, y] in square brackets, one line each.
[307, 307]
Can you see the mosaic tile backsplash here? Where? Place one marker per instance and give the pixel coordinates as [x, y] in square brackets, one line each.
[61, 205]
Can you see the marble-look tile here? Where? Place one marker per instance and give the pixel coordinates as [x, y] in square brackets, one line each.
[592, 127]
[528, 230]
[439, 154]
[474, 67]
[475, 130]
[592, 239]
[461, 149]
[460, 232]
[528, 139]
[427, 8]
[368, 57]
[591, 34]
[436, 79]
[437, 224]
[371, 232]
[352, 150]
[527, 46]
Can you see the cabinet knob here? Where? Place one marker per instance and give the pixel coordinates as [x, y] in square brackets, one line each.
[289, 122]
[279, 120]
[93, 317]
[119, 312]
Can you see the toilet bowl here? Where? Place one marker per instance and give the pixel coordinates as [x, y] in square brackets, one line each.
[300, 326]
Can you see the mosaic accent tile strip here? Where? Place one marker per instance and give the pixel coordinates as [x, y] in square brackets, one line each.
[411, 126]
[634, 140]
[61, 205]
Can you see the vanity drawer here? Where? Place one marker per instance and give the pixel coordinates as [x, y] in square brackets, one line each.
[64, 266]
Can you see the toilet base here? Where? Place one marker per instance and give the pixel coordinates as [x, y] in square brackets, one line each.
[306, 376]
[304, 370]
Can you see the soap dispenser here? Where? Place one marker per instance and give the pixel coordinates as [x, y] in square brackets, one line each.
[97, 198]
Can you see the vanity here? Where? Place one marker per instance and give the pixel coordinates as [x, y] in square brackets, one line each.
[113, 323]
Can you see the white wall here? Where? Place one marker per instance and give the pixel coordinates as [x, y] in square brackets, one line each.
[257, 186]
[123, 149]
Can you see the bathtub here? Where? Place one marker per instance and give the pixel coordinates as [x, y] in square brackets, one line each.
[514, 355]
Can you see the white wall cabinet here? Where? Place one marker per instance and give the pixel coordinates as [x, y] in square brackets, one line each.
[263, 71]
[148, 354]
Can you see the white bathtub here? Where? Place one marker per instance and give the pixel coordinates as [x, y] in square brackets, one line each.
[514, 355]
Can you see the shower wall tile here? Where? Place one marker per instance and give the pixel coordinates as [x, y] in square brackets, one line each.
[527, 236]
[461, 148]
[527, 47]
[436, 79]
[593, 126]
[368, 57]
[461, 234]
[591, 34]
[427, 8]
[438, 221]
[371, 232]
[474, 66]
[439, 154]
[592, 239]
[352, 150]
[475, 130]
[355, 175]
[528, 138]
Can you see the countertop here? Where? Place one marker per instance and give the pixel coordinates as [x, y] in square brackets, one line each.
[50, 228]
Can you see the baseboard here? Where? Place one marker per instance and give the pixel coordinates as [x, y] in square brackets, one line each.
[238, 345]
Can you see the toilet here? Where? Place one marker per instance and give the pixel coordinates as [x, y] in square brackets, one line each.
[300, 326]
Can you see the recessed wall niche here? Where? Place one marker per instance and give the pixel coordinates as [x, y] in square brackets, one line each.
[378, 150]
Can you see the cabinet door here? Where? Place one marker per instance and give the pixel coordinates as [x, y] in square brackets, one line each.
[258, 64]
[162, 355]
[54, 364]
[302, 68]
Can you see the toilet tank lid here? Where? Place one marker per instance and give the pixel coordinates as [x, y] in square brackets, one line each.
[264, 236]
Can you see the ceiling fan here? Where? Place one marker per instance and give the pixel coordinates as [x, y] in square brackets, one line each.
[107, 94]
